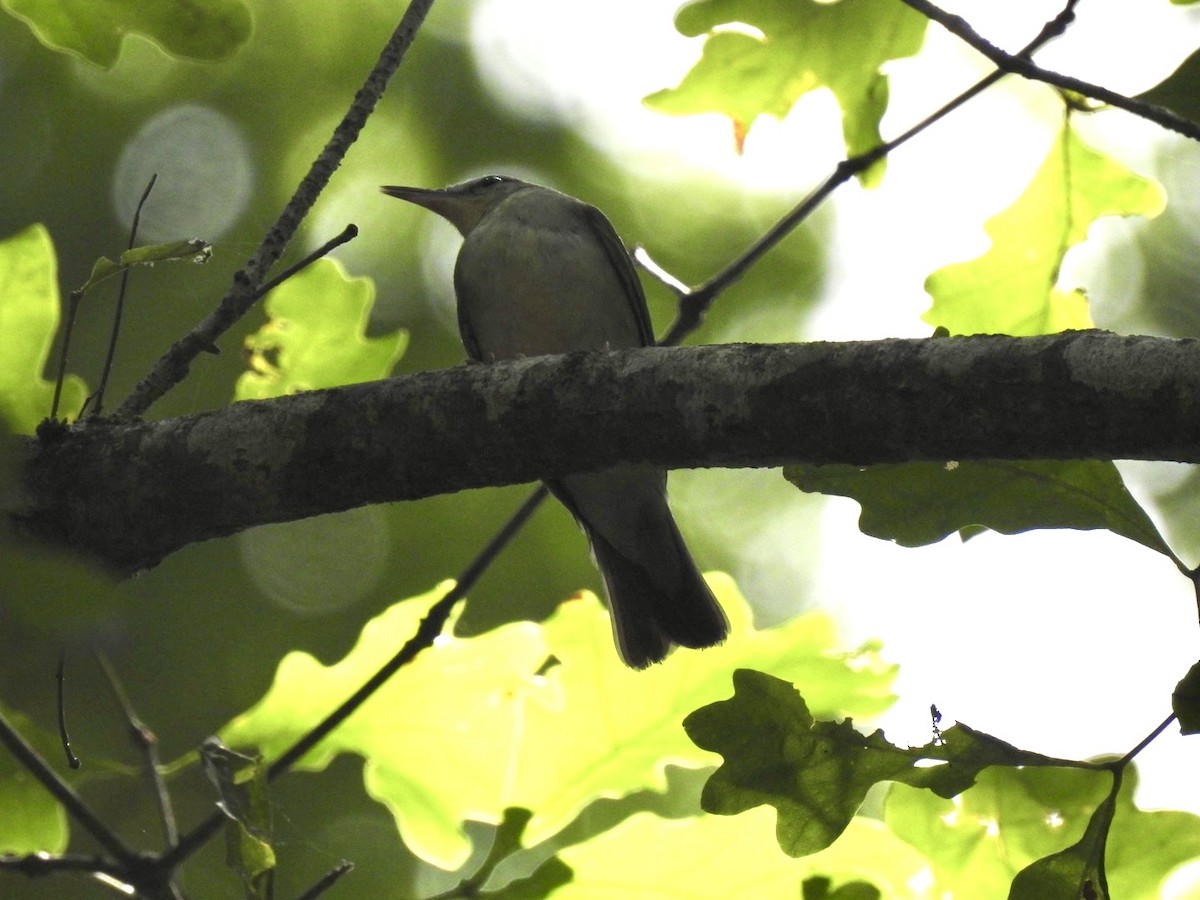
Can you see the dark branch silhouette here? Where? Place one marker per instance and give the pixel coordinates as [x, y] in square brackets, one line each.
[132, 493]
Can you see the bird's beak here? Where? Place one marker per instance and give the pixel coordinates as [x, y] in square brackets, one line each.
[420, 196]
[454, 208]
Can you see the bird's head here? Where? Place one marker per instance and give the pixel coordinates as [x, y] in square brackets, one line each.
[462, 205]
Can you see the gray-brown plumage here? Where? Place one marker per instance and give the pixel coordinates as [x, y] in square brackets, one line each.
[539, 273]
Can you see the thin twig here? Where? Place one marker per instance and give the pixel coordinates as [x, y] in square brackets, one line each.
[1144, 743]
[60, 678]
[1019, 64]
[39, 865]
[173, 366]
[694, 305]
[98, 397]
[349, 233]
[73, 300]
[327, 880]
[147, 742]
[28, 757]
[431, 626]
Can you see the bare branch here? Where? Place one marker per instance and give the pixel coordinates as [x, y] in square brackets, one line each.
[173, 366]
[693, 305]
[1020, 64]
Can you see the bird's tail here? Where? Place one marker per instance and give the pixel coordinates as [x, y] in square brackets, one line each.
[656, 595]
[649, 617]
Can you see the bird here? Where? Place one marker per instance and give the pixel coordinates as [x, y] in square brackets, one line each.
[540, 272]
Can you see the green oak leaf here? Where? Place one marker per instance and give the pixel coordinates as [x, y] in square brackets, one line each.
[1077, 871]
[315, 336]
[915, 504]
[1179, 93]
[1185, 701]
[551, 874]
[478, 725]
[761, 56]
[979, 842]
[1013, 288]
[544, 881]
[193, 29]
[30, 311]
[817, 773]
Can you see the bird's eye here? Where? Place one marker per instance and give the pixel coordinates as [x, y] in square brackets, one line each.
[482, 184]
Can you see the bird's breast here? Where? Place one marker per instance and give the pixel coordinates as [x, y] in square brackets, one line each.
[528, 287]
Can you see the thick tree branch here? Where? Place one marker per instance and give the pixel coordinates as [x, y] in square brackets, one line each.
[132, 493]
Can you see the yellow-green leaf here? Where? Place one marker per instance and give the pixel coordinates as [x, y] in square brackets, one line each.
[1014, 287]
[29, 317]
[316, 336]
[979, 842]
[31, 821]
[478, 725]
[760, 58]
[196, 29]
[735, 857]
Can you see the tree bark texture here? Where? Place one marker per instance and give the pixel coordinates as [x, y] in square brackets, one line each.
[132, 492]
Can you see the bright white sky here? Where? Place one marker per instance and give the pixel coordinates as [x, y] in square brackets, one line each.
[1064, 642]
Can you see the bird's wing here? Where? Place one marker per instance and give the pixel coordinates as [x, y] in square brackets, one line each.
[470, 344]
[622, 264]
